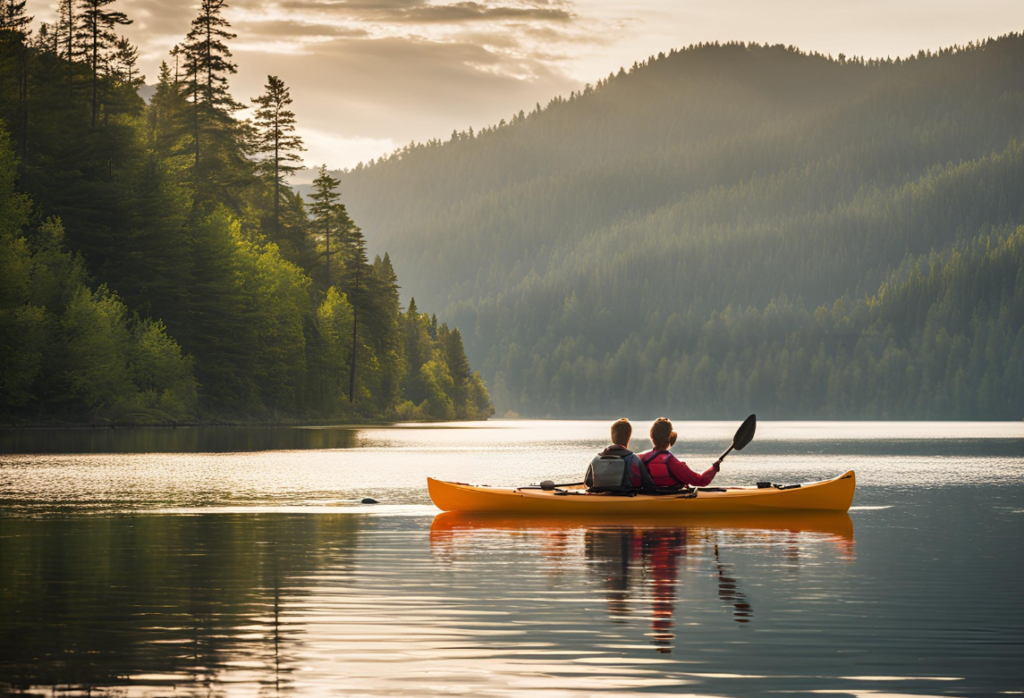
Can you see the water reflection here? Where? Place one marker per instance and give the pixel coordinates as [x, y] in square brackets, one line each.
[158, 601]
[642, 561]
[219, 439]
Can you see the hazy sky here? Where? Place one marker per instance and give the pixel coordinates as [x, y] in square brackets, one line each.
[371, 75]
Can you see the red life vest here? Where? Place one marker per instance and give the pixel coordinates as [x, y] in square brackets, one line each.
[661, 473]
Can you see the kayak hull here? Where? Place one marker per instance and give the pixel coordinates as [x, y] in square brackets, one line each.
[837, 524]
[828, 495]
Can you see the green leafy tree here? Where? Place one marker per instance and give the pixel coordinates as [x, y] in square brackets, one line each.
[334, 325]
[160, 286]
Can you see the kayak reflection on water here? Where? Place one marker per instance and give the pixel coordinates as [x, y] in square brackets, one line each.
[634, 559]
[657, 553]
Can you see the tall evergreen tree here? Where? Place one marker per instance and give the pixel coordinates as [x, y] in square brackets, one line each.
[14, 33]
[169, 116]
[96, 30]
[13, 17]
[275, 139]
[325, 211]
[208, 64]
[66, 39]
[177, 54]
[125, 64]
[47, 39]
[355, 287]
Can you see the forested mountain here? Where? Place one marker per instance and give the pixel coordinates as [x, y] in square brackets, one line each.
[731, 228]
[154, 264]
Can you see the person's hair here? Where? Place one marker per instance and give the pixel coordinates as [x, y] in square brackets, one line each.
[621, 431]
[672, 439]
[661, 433]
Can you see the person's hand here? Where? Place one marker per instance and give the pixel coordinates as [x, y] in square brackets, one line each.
[717, 464]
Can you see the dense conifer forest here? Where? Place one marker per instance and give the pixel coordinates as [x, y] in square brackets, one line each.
[733, 228]
[156, 267]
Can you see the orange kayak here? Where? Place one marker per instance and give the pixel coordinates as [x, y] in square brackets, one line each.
[827, 495]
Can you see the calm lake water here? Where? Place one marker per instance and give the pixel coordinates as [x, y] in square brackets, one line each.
[240, 562]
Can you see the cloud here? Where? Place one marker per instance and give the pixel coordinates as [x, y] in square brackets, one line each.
[403, 88]
[376, 72]
[416, 11]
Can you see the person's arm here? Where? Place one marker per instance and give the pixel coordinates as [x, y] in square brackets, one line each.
[634, 471]
[682, 471]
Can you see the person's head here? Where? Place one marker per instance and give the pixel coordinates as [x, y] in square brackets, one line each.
[661, 433]
[621, 431]
[672, 439]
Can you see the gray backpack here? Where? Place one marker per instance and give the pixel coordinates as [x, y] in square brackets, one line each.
[610, 474]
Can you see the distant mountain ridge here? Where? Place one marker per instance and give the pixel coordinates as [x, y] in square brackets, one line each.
[590, 243]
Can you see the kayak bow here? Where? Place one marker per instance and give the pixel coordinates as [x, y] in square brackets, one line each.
[828, 495]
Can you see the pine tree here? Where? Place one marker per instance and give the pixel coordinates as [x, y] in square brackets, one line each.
[208, 64]
[383, 332]
[65, 38]
[14, 31]
[275, 138]
[125, 60]
[176, 53]
[47, 40]
[356, 277]
[96, 31]
[458, 365]
[13, 17]
[326, 211]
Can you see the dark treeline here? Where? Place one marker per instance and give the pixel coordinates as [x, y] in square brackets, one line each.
[155, 266]
[723, 228]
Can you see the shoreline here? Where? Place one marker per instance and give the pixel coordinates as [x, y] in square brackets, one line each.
[114, 425]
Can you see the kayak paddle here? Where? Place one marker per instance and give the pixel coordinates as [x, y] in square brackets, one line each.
[744, 435]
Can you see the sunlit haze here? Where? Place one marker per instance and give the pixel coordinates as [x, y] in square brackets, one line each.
[368, 76]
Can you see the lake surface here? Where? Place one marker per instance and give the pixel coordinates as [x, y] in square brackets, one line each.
[239, 561]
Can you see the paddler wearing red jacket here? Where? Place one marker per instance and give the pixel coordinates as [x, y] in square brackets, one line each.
[666, 470]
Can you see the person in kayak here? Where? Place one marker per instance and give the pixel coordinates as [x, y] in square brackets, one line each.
[665, 469]
[622, 431]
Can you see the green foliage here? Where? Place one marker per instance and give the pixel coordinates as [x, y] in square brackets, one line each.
[66, 348]
[334, 333]
[199, 301]
[590, 249]
[277, 302]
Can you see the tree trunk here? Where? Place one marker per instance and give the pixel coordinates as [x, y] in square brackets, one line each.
[277, 182]
[195, 122]
[352, 369]
[327, 240]
[95, 68]
[71, 49]
[24, 111]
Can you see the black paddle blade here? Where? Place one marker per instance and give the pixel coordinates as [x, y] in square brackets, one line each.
[745, 433]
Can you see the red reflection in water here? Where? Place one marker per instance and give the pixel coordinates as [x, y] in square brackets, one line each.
[640, 557]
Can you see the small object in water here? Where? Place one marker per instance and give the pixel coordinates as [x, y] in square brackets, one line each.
[369, 500]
